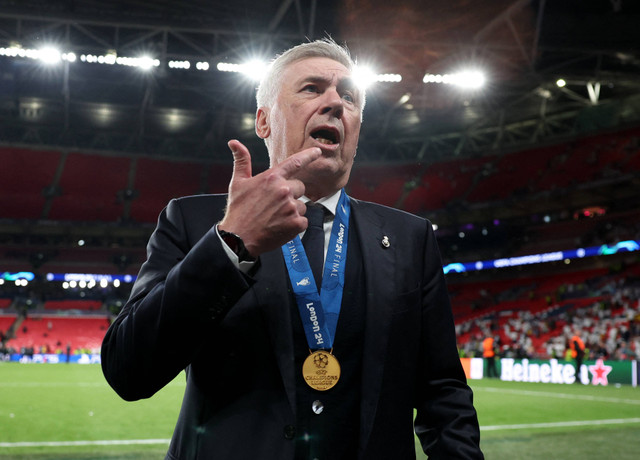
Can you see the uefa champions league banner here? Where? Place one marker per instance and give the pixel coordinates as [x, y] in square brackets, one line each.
[598, 372]
[52, 358]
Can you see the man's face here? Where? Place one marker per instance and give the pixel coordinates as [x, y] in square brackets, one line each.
[317, 106]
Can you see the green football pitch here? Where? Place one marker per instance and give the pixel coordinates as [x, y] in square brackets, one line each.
[67, 411]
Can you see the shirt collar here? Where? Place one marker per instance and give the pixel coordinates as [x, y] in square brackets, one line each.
[330, 202]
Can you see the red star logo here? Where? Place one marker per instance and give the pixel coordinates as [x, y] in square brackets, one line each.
[600, 372]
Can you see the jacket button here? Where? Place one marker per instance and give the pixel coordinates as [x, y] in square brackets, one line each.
[317, 407]
[289, 431]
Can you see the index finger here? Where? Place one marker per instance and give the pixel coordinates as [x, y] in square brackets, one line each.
[298, 161]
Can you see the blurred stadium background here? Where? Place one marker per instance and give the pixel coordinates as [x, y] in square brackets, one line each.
[532, 181]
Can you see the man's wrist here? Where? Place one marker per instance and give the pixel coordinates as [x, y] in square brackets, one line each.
[236, 244]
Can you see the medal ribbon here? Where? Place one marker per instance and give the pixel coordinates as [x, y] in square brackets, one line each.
[320, 311]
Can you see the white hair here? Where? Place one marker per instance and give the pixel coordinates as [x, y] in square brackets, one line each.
[327, 48]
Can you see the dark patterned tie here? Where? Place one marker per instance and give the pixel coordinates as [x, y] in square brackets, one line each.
[313, 240]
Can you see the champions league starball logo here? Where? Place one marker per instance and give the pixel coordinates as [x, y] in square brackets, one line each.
[321, 360]
[304, 282]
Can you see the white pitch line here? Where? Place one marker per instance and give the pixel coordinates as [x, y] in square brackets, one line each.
[559, 395]
[68, 384]
[52, 384]
[124, 442]
[614, 421]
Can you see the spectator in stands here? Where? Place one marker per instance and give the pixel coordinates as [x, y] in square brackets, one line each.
[215, 297]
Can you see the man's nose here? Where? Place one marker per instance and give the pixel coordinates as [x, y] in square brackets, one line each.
[332, 103]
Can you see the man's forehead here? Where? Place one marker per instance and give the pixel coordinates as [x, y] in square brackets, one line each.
[318, 67]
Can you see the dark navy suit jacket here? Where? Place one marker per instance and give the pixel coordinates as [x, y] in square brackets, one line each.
[190, 308]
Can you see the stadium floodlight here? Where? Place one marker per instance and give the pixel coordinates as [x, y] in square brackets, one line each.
[388, 78]
[468, 79]
[49, 55]
[228, 67]
[109, 59]
[472, 79]
[202, 65]
[406, 97]
[254, 69]
[179, 65]
[142, 62]
[146, 62]
[364, 77]
[69, 57]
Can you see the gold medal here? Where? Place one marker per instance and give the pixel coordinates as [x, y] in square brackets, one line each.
[321, 370]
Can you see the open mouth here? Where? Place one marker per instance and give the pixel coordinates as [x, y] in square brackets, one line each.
[326, 136]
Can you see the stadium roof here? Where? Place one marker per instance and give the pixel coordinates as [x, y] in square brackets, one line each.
[524, 46]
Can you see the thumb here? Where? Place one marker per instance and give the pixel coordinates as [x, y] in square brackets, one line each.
[241, 160]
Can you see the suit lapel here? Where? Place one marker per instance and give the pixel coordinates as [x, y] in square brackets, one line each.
[272, 293]
[379, 268]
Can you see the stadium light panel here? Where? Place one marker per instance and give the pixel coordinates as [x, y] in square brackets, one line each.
[179, 65]
[254, 69]
[228, 67]
[50, 55]
[146, 62]
[364, 77]
[404, 99]
[388, 78]
[468, 79]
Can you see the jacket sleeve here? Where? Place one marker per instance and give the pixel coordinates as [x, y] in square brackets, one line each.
[446, 421]
[182, 291]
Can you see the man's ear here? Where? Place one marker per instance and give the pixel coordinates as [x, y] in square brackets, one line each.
[263, 128]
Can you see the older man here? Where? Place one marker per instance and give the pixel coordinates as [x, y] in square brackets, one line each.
[297, 350]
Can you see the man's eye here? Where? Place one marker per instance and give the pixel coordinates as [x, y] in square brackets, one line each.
[349, 97]
[310, 88]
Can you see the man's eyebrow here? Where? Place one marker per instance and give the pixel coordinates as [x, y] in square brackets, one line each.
[315, 79]
[344, 82]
